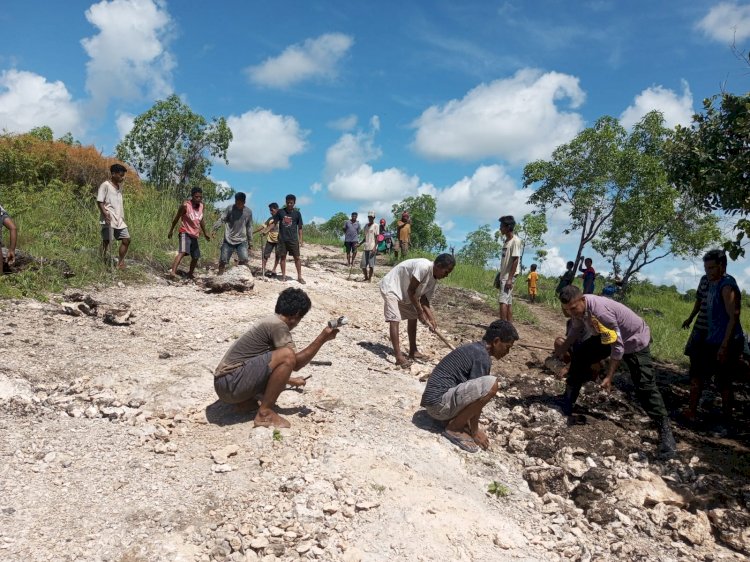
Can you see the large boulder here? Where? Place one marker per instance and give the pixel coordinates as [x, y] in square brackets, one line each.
[238, 278]
[732, 528]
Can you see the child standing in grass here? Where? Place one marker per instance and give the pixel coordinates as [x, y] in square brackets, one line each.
[531, 281]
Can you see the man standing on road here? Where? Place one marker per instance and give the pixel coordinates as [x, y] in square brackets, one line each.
[238, 232]
[290, 236]
[460, 386]
[371, 246]
[271, 229]
[112, 213]
[509, 259]
[403, 233]
[7, 222]
[407, 290]
[351, 237]
[190, 215]
[620, 334]
[262, 360]
[716, 342]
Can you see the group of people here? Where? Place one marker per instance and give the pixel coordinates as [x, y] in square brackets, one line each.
[374, 237]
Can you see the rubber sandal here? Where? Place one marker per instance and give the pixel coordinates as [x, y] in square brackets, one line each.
[465, 443]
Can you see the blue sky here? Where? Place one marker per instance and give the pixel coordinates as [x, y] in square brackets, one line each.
[356, 105]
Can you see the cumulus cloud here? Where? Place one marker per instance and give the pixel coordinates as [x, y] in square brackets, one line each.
[489, 193]
[554, 263]
[517, 119]
[316, 187]
[128, 56]
[677, 109]
[264, 141]
[352, 150]
[314, 58]
[124, 123]
[366, 184]
[28, 100]
[726, 22]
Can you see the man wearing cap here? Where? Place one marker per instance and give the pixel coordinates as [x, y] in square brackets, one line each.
[190, 215]
[403, 229]
[351, 235]
[370, 231]
[509, 259]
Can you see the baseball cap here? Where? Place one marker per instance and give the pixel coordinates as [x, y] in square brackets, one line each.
[371, 213]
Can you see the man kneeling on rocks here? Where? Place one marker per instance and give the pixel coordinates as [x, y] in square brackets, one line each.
[461, 385]
[262, 360]
[603, 328]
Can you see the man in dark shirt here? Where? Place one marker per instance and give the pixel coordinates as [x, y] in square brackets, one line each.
[461, 385]
[290, 236]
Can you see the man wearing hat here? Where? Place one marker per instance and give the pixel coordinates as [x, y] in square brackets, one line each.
[403, 228]
[370, 231]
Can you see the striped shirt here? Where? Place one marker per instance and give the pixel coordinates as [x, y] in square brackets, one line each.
[701, 295]
[465, 363]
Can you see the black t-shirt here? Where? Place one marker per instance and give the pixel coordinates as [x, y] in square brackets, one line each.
[289, 224]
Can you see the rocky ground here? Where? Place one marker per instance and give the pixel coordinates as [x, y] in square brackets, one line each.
[114, 448]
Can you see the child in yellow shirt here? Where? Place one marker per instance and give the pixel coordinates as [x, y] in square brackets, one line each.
[531, 282]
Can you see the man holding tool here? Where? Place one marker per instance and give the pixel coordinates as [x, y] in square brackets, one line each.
[262, 360]
[461, 385]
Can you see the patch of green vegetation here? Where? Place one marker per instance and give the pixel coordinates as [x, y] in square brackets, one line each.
[498, 489]
[379, 488]
[277, 436]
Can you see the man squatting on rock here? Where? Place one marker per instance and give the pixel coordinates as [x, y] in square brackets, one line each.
[262, 360]
[461, 385]
[407, 290]
[620, 334]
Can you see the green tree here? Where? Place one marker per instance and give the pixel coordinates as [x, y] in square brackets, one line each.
[653, 219]
[335, 224]
[69, 139]
[531, 231]
[43, 133]
[173, 147]
[584, 175]
[479, 247]
[709, 162]
[425, 234]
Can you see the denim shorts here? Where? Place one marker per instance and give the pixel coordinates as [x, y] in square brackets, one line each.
[228, 249]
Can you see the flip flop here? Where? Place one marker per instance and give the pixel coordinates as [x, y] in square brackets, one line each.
[465, 443]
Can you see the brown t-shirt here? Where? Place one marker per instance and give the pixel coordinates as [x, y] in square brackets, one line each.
[268, 334]
[404, 231]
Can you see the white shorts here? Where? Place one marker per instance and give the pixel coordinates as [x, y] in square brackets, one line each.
[396, 310]
[505, 297]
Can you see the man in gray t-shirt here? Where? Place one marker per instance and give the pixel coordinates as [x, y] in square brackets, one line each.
[351, 238]
[461, 385]
[262, 360]
[238, 232]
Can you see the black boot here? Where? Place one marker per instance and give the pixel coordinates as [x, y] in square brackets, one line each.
[667, 444]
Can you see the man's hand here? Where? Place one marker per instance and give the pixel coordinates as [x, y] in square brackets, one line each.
[11, 259]
[686, 323]
[606, 383]
[169, 235]
[330, 333]
[207, 237]
[508, 285]
[296, 381]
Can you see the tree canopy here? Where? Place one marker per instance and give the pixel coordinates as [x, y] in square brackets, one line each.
[709, 162]
[425, 234]
[173, 147]
[479, 247]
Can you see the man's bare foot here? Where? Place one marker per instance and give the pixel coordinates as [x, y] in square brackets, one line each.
[481, 439]
[418, 355]
[250, 405]
[296, 381]
[270, 419]
[301, 281]
[121, 265]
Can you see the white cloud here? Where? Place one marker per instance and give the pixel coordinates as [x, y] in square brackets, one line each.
[313, 58]
[128, 56]
[517, 119]
[677, 109]
[365, 184]
[264, 141]
[344, 124]
[27, 100]
[124, 122]
[554, 263]
[726, 22]
[489, 193]
[303, 200]
[316, 187]
[317, 220]
[352, 150]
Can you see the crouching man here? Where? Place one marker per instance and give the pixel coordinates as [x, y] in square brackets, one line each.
[262, 360]
[461, 385]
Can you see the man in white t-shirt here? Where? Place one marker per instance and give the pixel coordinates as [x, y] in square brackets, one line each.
[112, 213]
[370, 231]
[509, 259]
[407, 290]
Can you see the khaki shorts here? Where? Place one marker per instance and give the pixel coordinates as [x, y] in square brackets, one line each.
[246, 381]
[458, 397]
[396, 310]
[505, 297]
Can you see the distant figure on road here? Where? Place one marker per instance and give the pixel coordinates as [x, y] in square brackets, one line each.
[509, 259]
[589, 277]
[407, 290]
[531, 282]
[370, 231]
[112, 213]
[566, 278]
[262, 360]
[351, 238]
[7, 222]
[604, 328]
[716, 343]
[461, 385]
[238, 232]
[403, 233]
[270, 229]
[290, 236]
[190, 216]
